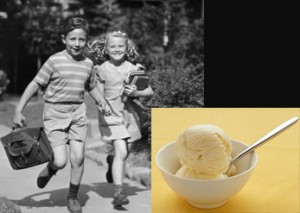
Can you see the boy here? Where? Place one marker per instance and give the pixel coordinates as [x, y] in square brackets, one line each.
[65, 76]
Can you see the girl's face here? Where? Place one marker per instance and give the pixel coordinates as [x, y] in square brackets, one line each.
[116, 48]
[75, 42]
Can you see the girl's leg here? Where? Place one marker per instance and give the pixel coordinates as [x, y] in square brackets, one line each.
[121, 152]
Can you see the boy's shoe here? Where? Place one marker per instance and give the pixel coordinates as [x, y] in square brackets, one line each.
[120, 199]
[44, 177]
[73, 205]
[109, 160]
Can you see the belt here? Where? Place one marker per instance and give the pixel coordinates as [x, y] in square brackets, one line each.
[64, 102]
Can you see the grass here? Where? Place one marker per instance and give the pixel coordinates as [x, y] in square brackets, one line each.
[6, 206]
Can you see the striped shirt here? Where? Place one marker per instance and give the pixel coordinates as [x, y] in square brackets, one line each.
[65, 79]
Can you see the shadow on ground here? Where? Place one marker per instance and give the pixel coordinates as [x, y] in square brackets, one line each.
[58, 197]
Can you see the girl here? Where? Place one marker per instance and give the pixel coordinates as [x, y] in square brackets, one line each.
[122, 126]
[64, 76]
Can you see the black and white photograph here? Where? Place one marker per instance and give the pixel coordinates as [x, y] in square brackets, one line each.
[78, 80]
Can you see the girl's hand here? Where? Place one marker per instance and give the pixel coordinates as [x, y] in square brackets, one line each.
[130, 90]
[105, 109]
[19, 121]
[140, 67]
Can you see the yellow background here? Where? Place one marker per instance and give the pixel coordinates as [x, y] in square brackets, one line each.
[274, 184]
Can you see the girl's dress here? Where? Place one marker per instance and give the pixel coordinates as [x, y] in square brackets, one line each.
[123, 123]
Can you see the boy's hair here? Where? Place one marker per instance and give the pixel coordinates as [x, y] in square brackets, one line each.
[75, 23]
[98, 46]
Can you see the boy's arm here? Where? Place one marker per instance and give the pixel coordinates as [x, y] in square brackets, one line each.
[100, 87]
[19, 119]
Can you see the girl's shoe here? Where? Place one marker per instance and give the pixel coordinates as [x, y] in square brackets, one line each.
[73, 205]
[120, 199]
[109, 160]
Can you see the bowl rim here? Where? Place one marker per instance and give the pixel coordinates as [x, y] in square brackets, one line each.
[205, 180]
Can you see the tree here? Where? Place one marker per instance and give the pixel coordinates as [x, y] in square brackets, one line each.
[42, 20]
[146, 28]
[103, 15]
[10, 41]
[171, 44]
[31, 25]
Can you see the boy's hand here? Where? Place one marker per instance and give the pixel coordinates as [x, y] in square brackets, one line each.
[130, 90]
[19, 121]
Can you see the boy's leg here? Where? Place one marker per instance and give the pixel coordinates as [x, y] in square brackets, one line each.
[77, 136]
[77, 167]
[59, 162]
[121, 153]
[55, 122]
[77, 161]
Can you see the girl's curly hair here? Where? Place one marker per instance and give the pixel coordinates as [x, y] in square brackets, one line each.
[97, 48]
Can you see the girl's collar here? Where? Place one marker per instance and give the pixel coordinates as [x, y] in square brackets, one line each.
[116, 64]
[122, 66]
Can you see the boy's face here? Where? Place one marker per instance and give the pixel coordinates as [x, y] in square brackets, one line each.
[116, 48]
[75, 42]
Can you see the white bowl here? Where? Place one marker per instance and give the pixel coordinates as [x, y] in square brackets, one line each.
[205, 194]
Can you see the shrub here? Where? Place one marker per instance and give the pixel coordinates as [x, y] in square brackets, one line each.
[6, 206]
[178, 85]
[3, 82]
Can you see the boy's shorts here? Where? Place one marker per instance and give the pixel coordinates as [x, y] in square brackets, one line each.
[65, 122]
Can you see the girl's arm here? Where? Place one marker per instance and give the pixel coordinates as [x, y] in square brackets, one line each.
[96, 94]
[19, 120]
[133, 92]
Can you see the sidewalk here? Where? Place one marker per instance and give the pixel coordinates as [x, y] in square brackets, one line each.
[95, 194]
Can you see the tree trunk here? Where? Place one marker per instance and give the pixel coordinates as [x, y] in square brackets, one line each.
[15, 69]
[38, 94]
[202, 12]
[39, 61]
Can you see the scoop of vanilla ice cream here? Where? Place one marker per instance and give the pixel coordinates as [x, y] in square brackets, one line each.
[188, 172]
[205, 150]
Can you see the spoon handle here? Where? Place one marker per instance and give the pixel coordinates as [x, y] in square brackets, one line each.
[265, 138]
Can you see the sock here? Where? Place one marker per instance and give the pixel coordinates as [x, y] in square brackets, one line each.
[73, 190]
[118, 189]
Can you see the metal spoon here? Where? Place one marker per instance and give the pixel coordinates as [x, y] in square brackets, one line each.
[263, 140]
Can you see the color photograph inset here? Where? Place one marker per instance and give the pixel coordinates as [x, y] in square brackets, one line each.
[194, 167]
